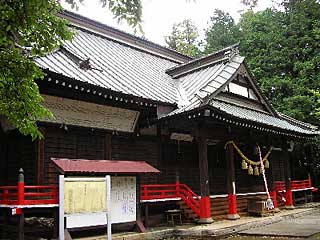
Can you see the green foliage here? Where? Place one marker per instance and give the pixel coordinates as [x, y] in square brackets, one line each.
[222, 31]
[250, 3]
[316, 95]
[282, 50]
[28, 28]
[183, 38]
[128, 10]
[31, 28]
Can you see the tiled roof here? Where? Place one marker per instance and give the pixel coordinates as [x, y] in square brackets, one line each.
[196, 86]
[116, 66]
[102, 166]
[132, 70]
[249, 115]
[263, 118]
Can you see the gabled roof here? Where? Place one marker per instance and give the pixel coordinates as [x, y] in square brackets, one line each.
[115, 66]
[122, 37]
[111, 59]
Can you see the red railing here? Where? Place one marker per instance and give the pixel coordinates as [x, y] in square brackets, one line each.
[177, 190]
[28, 195]
[295, 184]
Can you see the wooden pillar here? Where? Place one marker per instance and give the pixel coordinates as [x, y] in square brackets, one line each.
[273, 190]
[205, 209]
[231, 183]
[287, 175]
[21, 187]
[139, 224]
[40, 160]
[108, 147]
[21, 202]
[21, 226]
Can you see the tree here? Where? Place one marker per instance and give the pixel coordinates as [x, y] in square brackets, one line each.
[129, 10]
[31, 28]
[28, 28]
[250, 3]
[282, 49]
[316, 94]
[183, 38]
[221, 32]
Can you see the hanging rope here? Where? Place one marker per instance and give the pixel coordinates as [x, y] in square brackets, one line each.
[265, 158]
[269, 202]
[246, 161]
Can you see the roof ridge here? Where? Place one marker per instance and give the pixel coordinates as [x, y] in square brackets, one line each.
[297, 122]
[115, 34]
[203, 61]
[245, 107]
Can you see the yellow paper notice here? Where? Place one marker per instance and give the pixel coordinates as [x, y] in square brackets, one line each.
[84, 196]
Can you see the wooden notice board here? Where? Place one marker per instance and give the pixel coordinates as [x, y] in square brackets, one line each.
[123, 199]
[96, 201]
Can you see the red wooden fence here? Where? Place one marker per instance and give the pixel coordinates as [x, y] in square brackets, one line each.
[177, 190]
[295, 185]
[28, 195]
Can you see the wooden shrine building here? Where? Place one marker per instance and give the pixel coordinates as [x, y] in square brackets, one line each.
[199, 121]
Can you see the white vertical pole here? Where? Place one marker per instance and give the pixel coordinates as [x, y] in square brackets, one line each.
[108, 185]
[61, 207]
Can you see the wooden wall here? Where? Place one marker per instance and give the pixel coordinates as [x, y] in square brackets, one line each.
[137, 149]
[16, 151]
[82, 144]
[278, 165]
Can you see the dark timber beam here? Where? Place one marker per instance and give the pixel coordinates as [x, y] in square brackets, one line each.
[108, 146]
[273, 190]
[231, 183]
[40, 159]
[287, 176]
[205, 208]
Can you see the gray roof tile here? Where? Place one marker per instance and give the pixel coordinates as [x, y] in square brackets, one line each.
[129, 70]
[124, 69]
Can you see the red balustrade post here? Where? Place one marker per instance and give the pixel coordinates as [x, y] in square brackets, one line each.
[21, 187]
[144, 192]
[5, 196]
[177, 188]
[55, 194]
[309, 180]
[273, 195]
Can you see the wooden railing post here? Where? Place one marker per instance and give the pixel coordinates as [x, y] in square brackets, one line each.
[5, 196]
[55, 194]
[309, 180]
[178, 188]
[21, 187]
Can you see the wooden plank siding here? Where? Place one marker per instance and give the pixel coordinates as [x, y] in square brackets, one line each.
[278, 162]
[17, 151]
[71, 144]
[137, 149]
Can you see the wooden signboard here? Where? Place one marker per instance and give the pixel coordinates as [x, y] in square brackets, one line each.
[86, 114]
[123, 199]
[96, 201]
